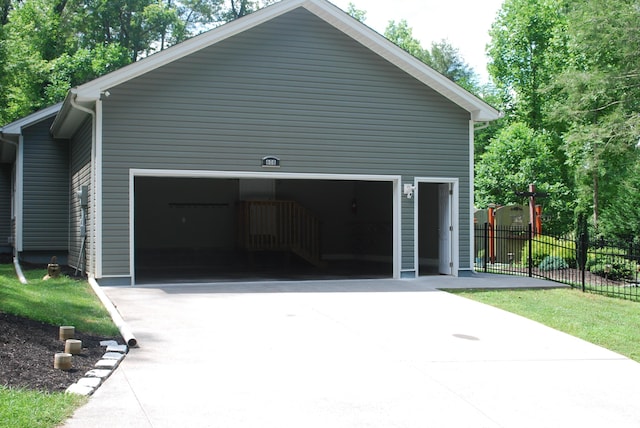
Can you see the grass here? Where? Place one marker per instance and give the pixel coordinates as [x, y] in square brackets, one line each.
[60, 301]
[23, 408]
[605, 321]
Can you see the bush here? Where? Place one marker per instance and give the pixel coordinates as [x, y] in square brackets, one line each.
[611, 263]
[553, 263]
[547, 246]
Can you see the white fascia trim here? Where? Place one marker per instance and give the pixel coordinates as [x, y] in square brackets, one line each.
[455, 221]
[97, 190]
[15, 128]
[19, 196]
[396, 180]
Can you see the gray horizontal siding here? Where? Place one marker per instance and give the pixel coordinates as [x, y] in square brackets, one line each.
[5, 206]
[294, 87]
[80, 166]
[45, 190]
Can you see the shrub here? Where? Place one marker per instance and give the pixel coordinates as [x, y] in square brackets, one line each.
[611, 263]
[553, 263]
[547, 246]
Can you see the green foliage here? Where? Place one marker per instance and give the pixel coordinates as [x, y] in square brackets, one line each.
[442, 57]
[61, 301]
[519, 156]
[23, 408]
[543, 247]
[611, 263]
[550, 263]
[524, 55]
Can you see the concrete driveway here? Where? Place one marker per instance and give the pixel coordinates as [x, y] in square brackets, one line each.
[378, 353]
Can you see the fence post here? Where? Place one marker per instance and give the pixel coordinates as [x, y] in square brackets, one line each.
[530, 261]
[486, 246]
[582, 248]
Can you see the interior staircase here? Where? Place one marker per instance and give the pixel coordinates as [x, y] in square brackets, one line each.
[283, 226]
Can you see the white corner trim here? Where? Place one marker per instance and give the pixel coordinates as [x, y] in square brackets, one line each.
[472, 187]
[97, 190]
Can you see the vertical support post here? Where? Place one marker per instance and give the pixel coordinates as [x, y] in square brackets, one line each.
[538, 210]
[530, 261]
[486, 247]
[532, 210]
[492, 222]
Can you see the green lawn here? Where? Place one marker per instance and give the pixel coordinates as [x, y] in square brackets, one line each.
[60, 301]
[608, 322]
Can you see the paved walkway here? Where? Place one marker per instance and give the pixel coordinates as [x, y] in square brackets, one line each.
[379, 353]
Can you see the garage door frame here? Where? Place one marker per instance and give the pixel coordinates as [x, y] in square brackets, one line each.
[166, 173]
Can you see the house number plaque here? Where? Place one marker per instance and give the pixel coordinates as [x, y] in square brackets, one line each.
[270, 162]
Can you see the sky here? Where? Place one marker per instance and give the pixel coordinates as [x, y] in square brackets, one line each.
[464, 24]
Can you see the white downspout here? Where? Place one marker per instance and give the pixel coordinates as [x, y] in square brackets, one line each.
[93, 173]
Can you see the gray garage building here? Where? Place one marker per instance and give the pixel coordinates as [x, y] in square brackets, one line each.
[295, 139]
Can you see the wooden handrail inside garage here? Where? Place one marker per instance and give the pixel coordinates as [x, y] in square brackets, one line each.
[279, 226]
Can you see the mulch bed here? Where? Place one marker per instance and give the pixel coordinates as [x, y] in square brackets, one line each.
[27, 350]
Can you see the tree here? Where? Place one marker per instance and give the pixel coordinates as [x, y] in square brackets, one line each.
[519, 156]
[597, 98]
[526, 51]
[442, 57]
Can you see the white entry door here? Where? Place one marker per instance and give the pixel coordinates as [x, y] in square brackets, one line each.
[445, 231]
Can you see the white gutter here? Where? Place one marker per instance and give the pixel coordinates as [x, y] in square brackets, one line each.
[115, 315]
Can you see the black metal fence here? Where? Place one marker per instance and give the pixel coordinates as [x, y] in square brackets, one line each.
[608, 267]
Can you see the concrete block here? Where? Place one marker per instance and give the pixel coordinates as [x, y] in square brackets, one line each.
[99, 373]
[113, 356]
[106, 364]
[117, 348]
[80, 389]
[108, 342]
[91, 382]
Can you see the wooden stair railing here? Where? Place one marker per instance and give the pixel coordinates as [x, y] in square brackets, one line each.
[279, 226]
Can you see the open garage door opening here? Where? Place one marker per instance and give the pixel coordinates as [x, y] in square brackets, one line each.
[225, 229]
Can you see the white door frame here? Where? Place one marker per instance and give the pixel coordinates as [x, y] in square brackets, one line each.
[454, 184]
[169, 173]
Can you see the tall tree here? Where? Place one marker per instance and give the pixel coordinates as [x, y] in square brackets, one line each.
[519, 156]
[525, 53]
[597, 97]
[442, 57]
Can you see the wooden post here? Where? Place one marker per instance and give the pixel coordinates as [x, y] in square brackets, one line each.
[62, 361]
[67, 332]
[73, 346]
[492, 225]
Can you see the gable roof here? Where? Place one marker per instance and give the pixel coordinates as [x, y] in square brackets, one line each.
[10, 133]
[86, 94]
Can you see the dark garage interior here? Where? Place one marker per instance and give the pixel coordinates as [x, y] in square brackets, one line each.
[229, 229]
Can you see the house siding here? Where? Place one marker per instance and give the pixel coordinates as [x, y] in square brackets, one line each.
[5, 207]
[293, 87]
[80, 171]
[45, 191]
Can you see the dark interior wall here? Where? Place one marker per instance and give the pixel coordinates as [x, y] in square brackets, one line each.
[173, 213]
[188, 213]
[356, 216]
[428, 223]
